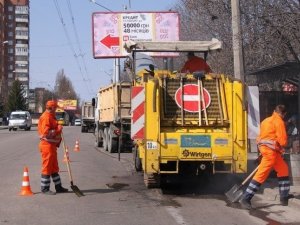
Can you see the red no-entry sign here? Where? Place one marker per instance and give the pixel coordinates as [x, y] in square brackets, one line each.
[190, 96]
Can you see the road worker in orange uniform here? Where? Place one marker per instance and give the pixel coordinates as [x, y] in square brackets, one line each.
[50, 138]
[271, 140]
[195, 64]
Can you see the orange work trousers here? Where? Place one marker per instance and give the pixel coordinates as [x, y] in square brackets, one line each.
[49, 158]
[270, 160]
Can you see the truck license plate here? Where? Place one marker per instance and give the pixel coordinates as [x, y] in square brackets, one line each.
[151, 145]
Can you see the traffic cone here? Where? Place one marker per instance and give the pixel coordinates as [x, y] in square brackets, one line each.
[66, 156]
[26, 190]
[76, 148]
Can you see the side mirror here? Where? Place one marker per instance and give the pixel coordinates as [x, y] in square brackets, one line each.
[93, 102]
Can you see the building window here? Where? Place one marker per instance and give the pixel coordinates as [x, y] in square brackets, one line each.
[11, 50]
[10, 17]
[10, 8]
[10, 75]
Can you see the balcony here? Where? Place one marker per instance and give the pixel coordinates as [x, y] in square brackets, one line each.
[21, 19]
[22, 10]
[19, 70]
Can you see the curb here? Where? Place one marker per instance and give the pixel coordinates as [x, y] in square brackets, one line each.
[3, 127]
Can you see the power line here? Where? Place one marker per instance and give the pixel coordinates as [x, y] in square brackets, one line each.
[94, 1]
[69, 41]
[79, 46]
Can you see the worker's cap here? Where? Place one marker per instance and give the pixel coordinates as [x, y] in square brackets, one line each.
[51, 104]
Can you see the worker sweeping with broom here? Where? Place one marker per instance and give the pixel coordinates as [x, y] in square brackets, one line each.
[50, 138]
[271, 140]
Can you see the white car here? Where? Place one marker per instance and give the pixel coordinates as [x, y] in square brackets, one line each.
[77, 122]
[19, 119]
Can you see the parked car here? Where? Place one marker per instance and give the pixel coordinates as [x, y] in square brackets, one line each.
[19, 119]
[77, 122]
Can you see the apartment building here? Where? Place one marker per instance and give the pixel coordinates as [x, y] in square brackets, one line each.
[14, 39]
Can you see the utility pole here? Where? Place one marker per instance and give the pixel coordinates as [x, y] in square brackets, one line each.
[237, 45]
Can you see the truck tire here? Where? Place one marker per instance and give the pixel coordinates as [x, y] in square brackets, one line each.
[113, 142]
[136, 159]
[105, 139]
[99, 138]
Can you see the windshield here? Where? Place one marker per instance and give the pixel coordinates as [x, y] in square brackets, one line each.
[17, 116]
[59, 115]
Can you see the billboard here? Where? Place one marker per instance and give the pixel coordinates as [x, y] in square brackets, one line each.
[67, 104]
[112, 29]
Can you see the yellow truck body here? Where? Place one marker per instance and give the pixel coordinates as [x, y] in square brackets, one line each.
[180, 140]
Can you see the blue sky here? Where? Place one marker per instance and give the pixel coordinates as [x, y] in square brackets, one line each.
[50, 50]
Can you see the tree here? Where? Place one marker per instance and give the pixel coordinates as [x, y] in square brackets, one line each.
[270, 30]
[63, 88]
[16, 98]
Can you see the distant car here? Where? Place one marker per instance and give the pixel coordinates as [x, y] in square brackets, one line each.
[19, 119]
[77, 122]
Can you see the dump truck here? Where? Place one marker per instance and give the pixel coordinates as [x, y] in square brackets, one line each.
[87, 118]
[112, 117]
[186, 124]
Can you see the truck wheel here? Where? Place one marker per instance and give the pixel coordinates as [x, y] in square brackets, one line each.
[105, 138]
[136, 159]
[113, 142]
[99, 138]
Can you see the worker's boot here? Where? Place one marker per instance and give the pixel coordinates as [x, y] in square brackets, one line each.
[248, 194]
[284, 189]
[45, 185]
[285, 200]
[246, 203]
[56, 180]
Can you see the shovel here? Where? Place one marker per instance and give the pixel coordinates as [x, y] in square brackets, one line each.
[73, 187]
[235, 193]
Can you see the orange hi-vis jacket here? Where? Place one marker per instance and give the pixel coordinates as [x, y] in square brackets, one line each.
[271, 140]
[194, 64]
[49, 139]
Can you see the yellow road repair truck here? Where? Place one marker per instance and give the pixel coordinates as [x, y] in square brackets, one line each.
[112, 117]
[62, 117]
[185, 123]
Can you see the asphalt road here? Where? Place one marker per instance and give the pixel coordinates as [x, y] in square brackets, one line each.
[114, 192]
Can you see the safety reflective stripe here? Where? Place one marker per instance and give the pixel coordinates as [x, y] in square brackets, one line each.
[56, 179]
[45, 182]
[269, 143]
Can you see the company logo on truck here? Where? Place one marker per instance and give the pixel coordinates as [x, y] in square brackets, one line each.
[193, 154]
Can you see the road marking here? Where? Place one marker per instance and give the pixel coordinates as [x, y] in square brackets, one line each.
[175, 213]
